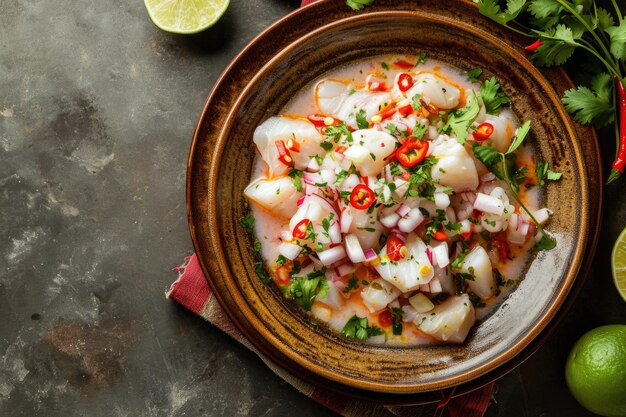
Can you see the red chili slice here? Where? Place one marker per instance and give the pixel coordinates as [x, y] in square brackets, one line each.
[405, 82]
[431, 108]
[385, 319]
[283, 153]
[282, 275]
[377, 86]
[533, 46]
[467, 235]
[387, 112]
[396, 249]
[403, 64]
[405, 110]
[412, 152]
[293, 145]
[483, 131]
[440, 235]
[299, 232]
[317, 120]
[362, 197]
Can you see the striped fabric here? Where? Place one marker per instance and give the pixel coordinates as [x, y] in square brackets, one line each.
[192, 291]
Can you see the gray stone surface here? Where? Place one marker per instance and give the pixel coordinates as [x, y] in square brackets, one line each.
[97, 108]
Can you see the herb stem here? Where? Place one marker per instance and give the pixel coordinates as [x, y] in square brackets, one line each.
[617, 10]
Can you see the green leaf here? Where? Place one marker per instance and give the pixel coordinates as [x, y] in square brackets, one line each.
[544, 8]
[259, 269]
[296, 178]
[358, 328]
[474, 74]
[618, 39]
[247, 222]
[419, 130]
[605, 19]
[593, 105]
[491, 9]
[305, 289]
[520, 135]
[361, 120]
[557, 46]
[359, 4]
[489, 156]
[493, 97]
[547, 242]
[460, 120]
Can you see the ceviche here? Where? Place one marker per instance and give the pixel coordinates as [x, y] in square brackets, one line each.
[395, 200]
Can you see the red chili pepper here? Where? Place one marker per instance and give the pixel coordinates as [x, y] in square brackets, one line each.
[283, 153]
[341, 149]
[405, 110]
[499, 242]
[467, 235]
[406, 175]
[403, 64]
[412, 152]
[299, 232]
[387, 112]
[376, 86]
[385, 319]
[317, 120]
[362, 197]
[533, 46]
[293, 145]
[405, 82]
[483, 131]
[282, 275]
[620, 160]
[431, 108]
[440, 235]
[396, 249]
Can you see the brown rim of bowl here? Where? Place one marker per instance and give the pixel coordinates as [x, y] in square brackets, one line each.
[400, 388]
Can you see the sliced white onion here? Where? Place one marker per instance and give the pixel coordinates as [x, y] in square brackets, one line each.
[489, 204]
[440, 255]
[351, 182]
[370, 255]
[289, 250]
[435, 286]
[466, 226]
[328, 176]
[334, 232]
[345, 269]
[467, 196]
[442, 200]
[432, 133]
[312, 178]
[286, 236]
[386, 193]
[332, 255]
[390, 221]
[325, 203]
[315, 260]
[403, 210]
[346, 221]
[313, 165]
[542, 215]
[413, 219]
[402, 188]
[354, 249]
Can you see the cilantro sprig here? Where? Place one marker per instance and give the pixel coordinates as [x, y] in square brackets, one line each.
[564, 27]
[501, 164]
[359, 328]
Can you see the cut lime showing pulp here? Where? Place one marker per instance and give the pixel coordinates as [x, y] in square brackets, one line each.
[618, 264]
[185, 16]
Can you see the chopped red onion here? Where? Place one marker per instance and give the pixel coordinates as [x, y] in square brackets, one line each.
[311, 178]
[390, 221]
[346, 221]
[440, 255]
[354, 249]
[345, 269]
[488, 177]
[313, 165]
[413, 219]
[442, 200]
[403, 210]
[370, 255]
[300, 201]
[315, 260]
[334, 232]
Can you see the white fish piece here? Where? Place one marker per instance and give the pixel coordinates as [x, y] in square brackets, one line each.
[412, 271]
[333, 298]
[378, 294]
[455, 167]
[276, 195]
[449, 321]
[503, 130]
[439, 92]
[343, 102]
[285, 128]
[365, 226]
[478, 264]
[369, 150]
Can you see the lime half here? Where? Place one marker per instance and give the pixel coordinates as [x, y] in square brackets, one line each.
[618, 264]
[185, 16]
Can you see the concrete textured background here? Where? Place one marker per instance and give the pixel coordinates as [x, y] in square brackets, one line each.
[97, 108]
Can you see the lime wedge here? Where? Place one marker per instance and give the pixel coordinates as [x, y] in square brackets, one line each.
[618, 264]
[185, 16]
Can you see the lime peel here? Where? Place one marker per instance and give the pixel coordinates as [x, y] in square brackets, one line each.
[185, 16]
[618, 264]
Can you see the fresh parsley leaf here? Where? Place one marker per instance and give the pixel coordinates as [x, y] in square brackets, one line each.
[247, 222]
[296, 178]
[491, 9]
[359, 4]
[557, 46]
[358, 328]
[259, 269]
[415, 101]
[361, 120]
[604, 19]
[488, 155]
[257, 246]
[419, 130]
[340, 177]
[460, 120]
[281, 260]
[327, 146]
[545, 173]
[618, 39]
[336, 132]
[493, 97]
[544, 8]
[547, 242]
[593, 105]
[474, 74]
[520, 135]
[305, 289]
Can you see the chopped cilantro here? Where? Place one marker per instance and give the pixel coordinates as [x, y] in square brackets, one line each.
[358, 328]
[247, 222]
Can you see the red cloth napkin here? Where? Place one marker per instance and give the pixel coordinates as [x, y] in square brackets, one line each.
[192, 291]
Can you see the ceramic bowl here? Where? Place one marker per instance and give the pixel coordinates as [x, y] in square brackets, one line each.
[262, 79]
